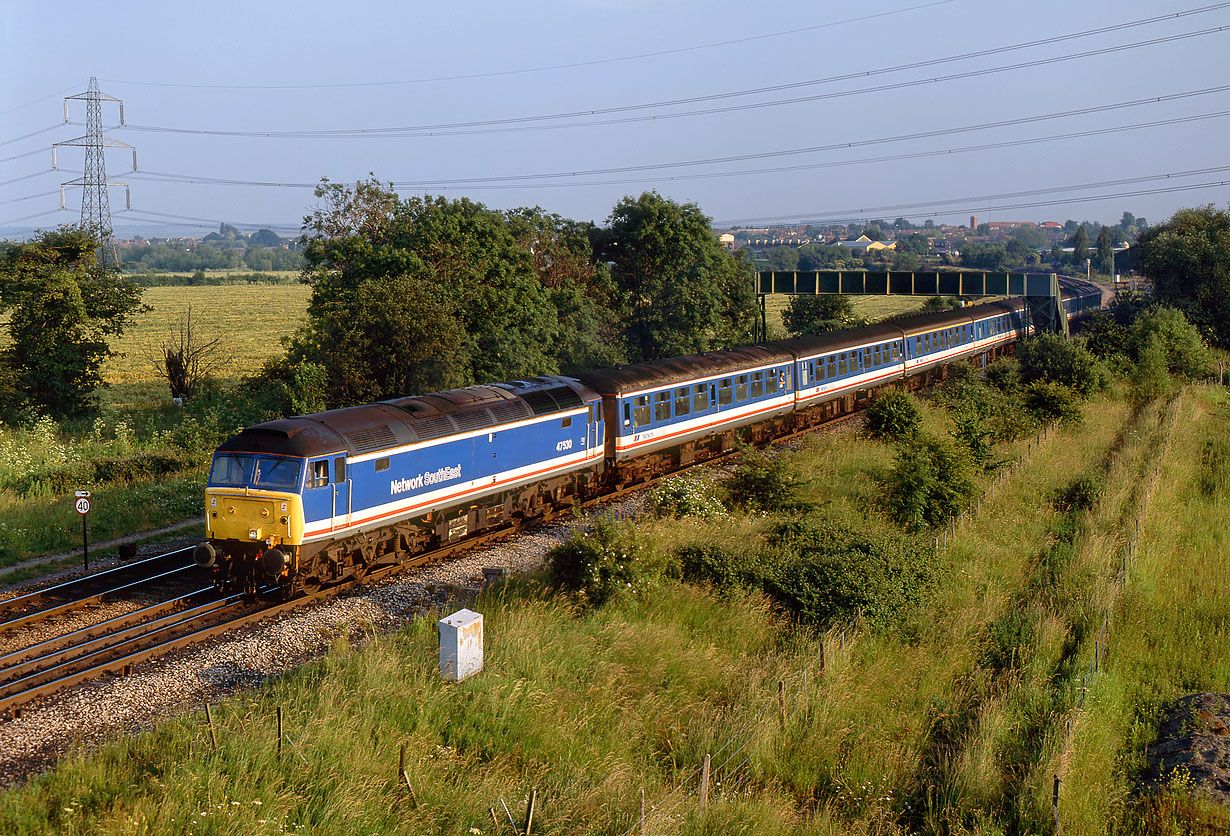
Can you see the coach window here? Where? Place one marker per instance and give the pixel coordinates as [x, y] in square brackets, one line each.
[806, 372]
[320, 474]
[700, 397]
[830, 367]
[382, 464]
[640, 411]
[896, 352]
[724, 392]
[757, 384]
[843, 365]
[662, 406]
[683, 404]
[771, 383]
[741, 388]
[867, 358]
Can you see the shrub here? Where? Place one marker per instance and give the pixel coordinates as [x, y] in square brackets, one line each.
[606, 562]
[894, 415]
[1005, 375]
[1008, 641]
[1051, 402]
[684, 496]
[1079, 495]
[766, 483]
[1056, 359]
[930, 483]
[829, 571]
[1184, 353]
[724, 567]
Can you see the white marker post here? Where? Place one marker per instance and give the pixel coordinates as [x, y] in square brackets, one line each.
[83, 508]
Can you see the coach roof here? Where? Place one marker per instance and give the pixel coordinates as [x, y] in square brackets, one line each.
[674, 370]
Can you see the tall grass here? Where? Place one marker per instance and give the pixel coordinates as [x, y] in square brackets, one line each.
[951, 721]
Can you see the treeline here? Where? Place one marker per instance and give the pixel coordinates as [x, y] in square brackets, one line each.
[425, 293]
[226, 249]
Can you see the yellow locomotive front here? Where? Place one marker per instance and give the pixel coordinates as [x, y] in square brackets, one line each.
[253, 519]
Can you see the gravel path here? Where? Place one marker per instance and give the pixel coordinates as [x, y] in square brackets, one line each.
[96, 712]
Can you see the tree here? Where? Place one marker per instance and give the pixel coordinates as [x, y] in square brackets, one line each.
[437, 283]
[785, 259]
[818, 313]
[1080, 247]
[1106, 251]
[185, 360]
[1187, 258]
[681, 291]
[1166, 329]
[63, 306]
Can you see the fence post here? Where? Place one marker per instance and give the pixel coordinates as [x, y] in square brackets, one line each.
[279, 732]
[644, 825]
[781, 702]
[704, 785]
[529, 814]
[209, 718]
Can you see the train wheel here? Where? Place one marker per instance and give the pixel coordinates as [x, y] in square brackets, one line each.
[311, 585]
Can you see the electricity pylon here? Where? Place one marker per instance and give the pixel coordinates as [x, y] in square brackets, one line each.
[95, 206]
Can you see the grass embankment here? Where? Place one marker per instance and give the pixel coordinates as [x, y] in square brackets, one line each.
[953, 722]
[1169, 629]
[140, 458]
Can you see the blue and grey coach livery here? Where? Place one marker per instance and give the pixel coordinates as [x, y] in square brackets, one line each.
[300, 502]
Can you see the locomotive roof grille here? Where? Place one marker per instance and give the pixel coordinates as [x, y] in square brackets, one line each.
[376, 438]
[438, 427]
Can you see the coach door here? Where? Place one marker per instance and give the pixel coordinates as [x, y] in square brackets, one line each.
[341, 494]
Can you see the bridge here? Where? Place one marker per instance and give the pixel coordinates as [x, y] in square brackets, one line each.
[1041, 290]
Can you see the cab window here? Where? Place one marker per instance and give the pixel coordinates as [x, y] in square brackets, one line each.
[231, 471]
[319, 477]
[277, 473]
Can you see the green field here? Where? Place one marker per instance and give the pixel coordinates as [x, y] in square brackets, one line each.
[251, 320]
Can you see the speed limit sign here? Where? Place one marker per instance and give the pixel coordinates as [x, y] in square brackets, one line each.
[83, 505]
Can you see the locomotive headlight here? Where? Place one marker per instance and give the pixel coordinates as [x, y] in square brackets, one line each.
[254, 534]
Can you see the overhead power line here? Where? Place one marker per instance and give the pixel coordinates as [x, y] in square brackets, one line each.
[897, 208]
[975, 207]
[551, 67]
[574, 178]
[547, 121]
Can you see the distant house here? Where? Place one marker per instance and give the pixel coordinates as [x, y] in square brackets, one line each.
[865, 243]
[727, 240]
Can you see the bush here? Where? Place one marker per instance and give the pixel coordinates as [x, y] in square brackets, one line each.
[724, 567]
[766, 483]
[1051, 402]
[1079, 495]
[684, 496]
[894, 415]
[930, 483]
[1008, 641]
[1056, 359]
[1005, 375]
[609, 561]
[1184, 353]
[828, 571]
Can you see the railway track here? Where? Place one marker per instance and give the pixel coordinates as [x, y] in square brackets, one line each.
[116, 645]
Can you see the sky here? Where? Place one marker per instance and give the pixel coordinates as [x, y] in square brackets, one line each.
[766, 113]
